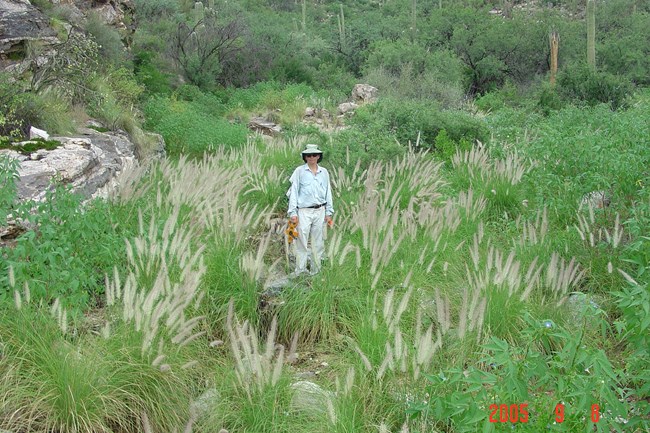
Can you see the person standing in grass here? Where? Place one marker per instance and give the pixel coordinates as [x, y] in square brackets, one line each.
[310, 207]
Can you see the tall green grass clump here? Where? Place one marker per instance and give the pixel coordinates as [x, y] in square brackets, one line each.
[82, 383]
[47, 383]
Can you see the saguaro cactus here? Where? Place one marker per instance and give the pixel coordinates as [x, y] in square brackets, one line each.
[198, 12]
[414, 19]
[554, 40]
[341, 22]
[591, 33]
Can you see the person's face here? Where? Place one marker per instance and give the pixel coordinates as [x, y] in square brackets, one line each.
[313, 157]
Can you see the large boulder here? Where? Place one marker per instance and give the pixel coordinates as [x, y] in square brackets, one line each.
[364, 93]
[87, 163]
[21, 22]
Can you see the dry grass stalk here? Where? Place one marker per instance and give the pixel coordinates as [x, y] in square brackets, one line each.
[512, 168]
[128, 183]
[533, 232]
[384, 429]
[256, 367]
[212, 187]
[481, 167]
[562, 276]
[594, 236]
[60, 314]
[149, 298]
[342, 182]
[473, 206]
[258, 177]
[402, 356]
[146, 425]
[336, 254]
[384, 225]
[252, 264]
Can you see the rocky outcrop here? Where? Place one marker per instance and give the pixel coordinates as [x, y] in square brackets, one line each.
[87, 163]
[21, 22]
[116, 13]
[361, 94]
[364, 94]
[264, 126]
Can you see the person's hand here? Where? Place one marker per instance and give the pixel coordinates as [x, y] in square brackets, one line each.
[329, 221]
[294, 219]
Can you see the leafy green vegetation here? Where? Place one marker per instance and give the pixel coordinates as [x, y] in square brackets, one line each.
[490, 246]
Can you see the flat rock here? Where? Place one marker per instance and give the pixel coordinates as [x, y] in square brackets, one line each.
[87, 163]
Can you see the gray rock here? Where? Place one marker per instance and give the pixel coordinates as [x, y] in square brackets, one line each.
[347, 107]
[13, 154]
[86, 163]
[264, 126]
[20, 22]
[364, 93]
[274, 287]
[596, 199]
[204, 403]
[309, 397]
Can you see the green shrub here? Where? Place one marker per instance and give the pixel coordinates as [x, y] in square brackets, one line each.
[580, 82]
[506, 96]
[12, 125]
[410, 120]
[187, 129]
[365, 144]
[535, 377]
[8, 176]
[206, 102]
[549, 100]
[426, 87]
[446, 147]
[46, 111]
[21, 109]
[156, 9]
[70, 252]
[151, 75]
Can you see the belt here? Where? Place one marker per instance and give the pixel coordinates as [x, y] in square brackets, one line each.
[316, 206]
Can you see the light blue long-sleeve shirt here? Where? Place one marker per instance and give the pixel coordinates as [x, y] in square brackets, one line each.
[309, 189]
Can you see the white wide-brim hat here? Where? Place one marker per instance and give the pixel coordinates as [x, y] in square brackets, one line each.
[311, 149]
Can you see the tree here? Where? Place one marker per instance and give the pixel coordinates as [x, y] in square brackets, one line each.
[202, 50]
[67, 67]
